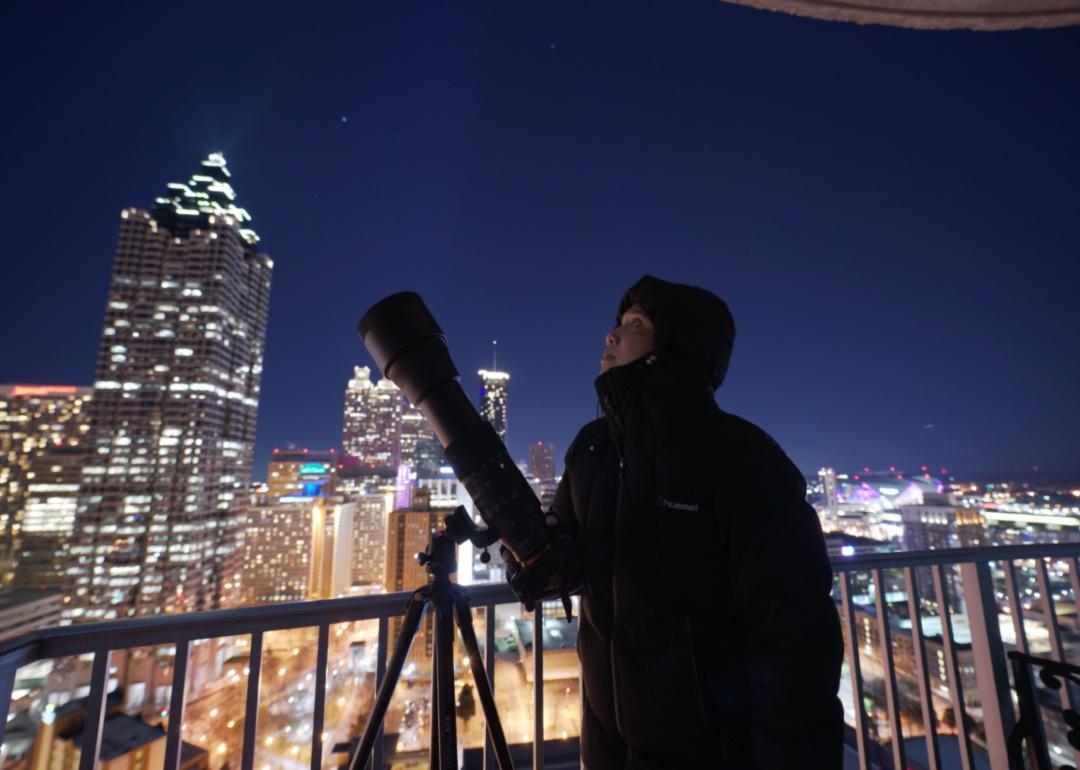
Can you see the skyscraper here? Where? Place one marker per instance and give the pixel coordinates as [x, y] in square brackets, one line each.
[493, 398]
[542, 462]
[372, 432]
[381, 428]
[175, 402]
[35, 420]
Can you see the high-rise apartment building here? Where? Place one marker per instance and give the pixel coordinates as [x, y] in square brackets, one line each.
[369, 538]
[301, 473]
[298, 549]
[175, 402]
[493, 399]
[542, 462]
[35, 420]
[277, 552]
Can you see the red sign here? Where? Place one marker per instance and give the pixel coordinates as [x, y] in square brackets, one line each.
[43, 390]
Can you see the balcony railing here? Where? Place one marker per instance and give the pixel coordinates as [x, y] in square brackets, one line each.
[892, 605]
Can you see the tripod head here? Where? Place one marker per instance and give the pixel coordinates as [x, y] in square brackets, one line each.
[441, 556]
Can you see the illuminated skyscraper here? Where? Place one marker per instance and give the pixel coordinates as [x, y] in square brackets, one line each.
[175, 402]
[381, 427]
[493, 398]
[542, 461]
[36, 420]
[372, 433]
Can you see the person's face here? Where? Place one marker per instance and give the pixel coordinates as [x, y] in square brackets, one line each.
[634, 338]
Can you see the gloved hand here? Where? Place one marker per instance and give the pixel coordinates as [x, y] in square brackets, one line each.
[556, 572]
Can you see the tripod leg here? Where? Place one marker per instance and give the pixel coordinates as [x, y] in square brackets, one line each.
[483, 687]
[444, 671]
[413, 613]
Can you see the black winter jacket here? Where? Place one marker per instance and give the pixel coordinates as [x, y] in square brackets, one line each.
[707, 627]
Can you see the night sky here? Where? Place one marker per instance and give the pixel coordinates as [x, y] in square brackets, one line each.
[893, 216]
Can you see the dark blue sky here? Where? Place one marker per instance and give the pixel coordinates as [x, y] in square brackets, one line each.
[893, 216]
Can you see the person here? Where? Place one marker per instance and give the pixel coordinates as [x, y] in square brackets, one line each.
[707, 635]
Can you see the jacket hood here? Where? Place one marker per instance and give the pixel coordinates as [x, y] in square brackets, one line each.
[694, 327]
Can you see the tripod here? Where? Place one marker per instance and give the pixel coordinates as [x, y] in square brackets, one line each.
[450, 601]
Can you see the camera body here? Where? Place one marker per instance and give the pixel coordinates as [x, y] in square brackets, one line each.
[409, 347]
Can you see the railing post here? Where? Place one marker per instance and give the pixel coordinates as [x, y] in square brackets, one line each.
[991, 670]
[318, 718]
[489, 666]
[538, 687]
[862, 739]
[95, 710]
[377, 760]
[251, 708]
[7, 686]
[174, 741]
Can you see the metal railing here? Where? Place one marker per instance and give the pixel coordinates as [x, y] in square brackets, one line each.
[976, 578]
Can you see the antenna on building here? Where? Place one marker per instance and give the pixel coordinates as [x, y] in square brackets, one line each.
[494, 355]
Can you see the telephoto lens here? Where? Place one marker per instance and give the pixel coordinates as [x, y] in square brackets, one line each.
[409, 347]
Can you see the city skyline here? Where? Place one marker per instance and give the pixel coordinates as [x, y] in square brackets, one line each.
[900, 268]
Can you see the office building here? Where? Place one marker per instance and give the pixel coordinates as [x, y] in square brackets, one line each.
[175, 403]
[494, 386]
[34, 419]
[301, 473]
[372, 431]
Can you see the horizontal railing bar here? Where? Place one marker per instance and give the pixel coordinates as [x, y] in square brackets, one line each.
[899, 559]
[169, 629]
[84, 638]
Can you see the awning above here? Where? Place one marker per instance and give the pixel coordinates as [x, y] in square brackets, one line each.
[933, 14]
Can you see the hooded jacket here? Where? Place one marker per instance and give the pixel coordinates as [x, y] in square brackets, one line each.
[707, 626]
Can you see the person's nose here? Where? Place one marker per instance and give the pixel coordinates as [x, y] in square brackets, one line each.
[611, 339]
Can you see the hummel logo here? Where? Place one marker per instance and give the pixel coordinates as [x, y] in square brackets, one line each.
[665, 503]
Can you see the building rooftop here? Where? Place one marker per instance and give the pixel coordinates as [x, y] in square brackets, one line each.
[123, 734]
